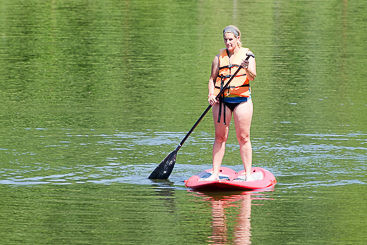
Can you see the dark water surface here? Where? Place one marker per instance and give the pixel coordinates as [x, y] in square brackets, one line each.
[94, 94]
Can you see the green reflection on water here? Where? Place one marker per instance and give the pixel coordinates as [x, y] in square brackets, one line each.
[125, 214]
[89, 65]
[101, 91]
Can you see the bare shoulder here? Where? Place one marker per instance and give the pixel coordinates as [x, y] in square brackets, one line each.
[215, 61]
[215, 66]
[216, 58]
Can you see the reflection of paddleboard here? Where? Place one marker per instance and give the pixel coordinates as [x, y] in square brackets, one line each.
[231, 180]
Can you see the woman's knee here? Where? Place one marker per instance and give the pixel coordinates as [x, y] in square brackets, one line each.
[221, 137]
[243, 138]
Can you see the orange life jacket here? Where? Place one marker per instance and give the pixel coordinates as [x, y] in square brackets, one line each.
[240, 85]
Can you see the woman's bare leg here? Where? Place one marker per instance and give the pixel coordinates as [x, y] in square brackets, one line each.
[221, 136]
[242, 117]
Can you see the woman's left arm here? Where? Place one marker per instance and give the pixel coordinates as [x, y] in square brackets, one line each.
[250, 67]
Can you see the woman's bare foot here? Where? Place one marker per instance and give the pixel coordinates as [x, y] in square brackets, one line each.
[212, 178]
[249, 178]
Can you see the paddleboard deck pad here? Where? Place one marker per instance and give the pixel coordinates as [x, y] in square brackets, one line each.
[231, 180]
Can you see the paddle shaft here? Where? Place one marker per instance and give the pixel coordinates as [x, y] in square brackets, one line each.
[209, 107]
[164, 169]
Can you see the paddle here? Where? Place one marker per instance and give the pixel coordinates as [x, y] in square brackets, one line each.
[164, 169]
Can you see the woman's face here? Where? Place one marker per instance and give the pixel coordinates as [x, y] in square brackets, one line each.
[230, 41]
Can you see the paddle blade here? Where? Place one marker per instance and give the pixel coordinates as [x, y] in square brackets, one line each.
[164, 169]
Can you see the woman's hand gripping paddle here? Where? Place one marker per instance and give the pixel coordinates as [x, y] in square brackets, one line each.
[164, 169]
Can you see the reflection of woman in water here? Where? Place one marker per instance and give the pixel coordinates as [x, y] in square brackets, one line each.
[236, 101]
[243, 229]
[242, 232]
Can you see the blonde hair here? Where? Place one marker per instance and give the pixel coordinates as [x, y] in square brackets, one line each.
[236, 32]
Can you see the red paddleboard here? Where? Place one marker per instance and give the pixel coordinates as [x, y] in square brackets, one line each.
[231, 180]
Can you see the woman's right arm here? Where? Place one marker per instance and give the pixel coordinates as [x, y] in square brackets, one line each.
[212, 79]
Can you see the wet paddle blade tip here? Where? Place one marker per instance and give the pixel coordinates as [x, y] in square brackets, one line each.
[164, 169]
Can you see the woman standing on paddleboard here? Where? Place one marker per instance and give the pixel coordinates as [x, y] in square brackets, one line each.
[236, 100]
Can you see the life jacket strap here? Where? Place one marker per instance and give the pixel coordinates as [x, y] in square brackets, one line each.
[228, 87]
[221, 104]
[228, 66]
[229, 76]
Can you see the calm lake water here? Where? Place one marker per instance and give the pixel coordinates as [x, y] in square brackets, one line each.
[94, 94]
